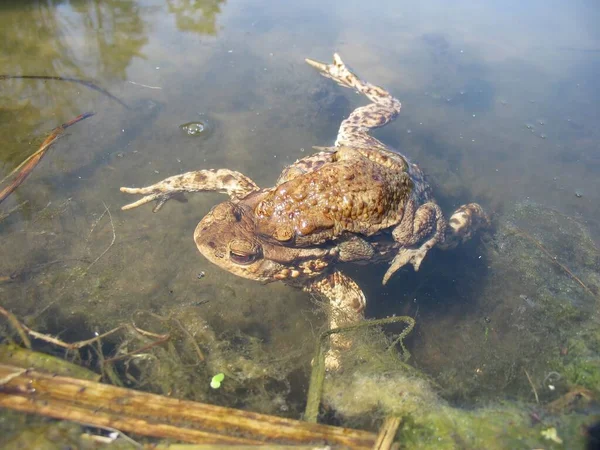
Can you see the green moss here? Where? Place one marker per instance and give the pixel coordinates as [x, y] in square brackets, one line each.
[580, 366]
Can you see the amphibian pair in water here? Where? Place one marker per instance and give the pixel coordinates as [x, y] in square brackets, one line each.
[359, 201]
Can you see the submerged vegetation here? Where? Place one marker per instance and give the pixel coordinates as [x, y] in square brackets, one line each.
[554, 379]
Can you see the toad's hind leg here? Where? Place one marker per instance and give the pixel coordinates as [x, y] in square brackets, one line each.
[354, 130]
[463, 224]
[346, 307]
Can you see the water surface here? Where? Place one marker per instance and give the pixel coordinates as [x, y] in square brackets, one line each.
[500, 106]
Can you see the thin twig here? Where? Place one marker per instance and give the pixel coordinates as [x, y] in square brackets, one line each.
[86, 83]
[144, 85]
[95, 224]
[139, 350]
[147, 333]
[111, 242]
[12, 210]
[191, 338]
[21, 329]
[26, 167]
[74, 345]
[537, 399]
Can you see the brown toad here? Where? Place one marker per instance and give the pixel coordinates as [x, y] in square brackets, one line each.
[359, 201]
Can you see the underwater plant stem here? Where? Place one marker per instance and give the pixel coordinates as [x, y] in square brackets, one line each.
[142, 413]
[26, 167]
[165, 338]
[112, 242]
[12, 210]
[315, 387]
[317, 376]
[190, 337]
[24, 330]
[537, 399]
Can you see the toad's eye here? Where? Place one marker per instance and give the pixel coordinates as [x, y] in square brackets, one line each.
[243, 259]
[244, 252]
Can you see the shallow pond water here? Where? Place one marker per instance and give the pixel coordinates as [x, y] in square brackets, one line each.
[499, 106]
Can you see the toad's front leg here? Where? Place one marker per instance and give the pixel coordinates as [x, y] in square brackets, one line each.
[226, 181]
[346, 307]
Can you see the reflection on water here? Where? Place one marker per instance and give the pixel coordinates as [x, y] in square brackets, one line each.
[499, 106]
[198, 16]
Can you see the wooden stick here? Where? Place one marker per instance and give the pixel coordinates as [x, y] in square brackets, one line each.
[387, 433]
[21, 329]
[147, 414]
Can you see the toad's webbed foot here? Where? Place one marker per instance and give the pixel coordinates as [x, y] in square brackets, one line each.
[235, 184]
[463, 224]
